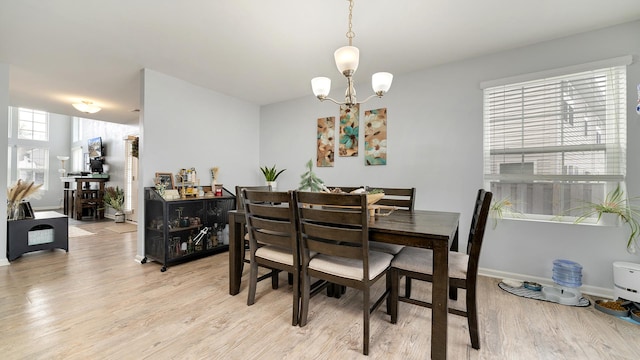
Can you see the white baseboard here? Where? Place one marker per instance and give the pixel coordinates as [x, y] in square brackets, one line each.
[585, 289]
[4, 262]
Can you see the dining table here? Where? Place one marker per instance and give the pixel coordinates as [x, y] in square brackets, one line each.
[436, 230]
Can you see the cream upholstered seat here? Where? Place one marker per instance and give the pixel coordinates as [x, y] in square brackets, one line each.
[336, 227]
[415, 263]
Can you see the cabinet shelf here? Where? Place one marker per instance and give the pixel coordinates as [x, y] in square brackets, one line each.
[168, 243]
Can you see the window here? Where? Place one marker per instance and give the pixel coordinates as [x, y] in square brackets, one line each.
[33, 164]
[33, 125]
[553, 142]
[77, 159]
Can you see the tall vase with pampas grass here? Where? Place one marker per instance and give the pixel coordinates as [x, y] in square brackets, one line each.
[16, 194]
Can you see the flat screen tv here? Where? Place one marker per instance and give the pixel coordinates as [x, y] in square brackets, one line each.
[95, 148]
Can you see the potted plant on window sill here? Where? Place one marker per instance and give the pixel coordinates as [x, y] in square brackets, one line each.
[615, 208]
[114, 198]
[271, 175]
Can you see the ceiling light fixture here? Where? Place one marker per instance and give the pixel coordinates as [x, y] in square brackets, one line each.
[347, 59]
[86, 107]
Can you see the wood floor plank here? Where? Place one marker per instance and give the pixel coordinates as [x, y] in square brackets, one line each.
[96, 302]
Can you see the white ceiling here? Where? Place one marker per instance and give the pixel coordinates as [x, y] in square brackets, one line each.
[262, 51]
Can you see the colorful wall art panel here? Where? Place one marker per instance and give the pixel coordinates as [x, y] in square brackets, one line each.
[326, 141]
[375, 137]
[349, 122]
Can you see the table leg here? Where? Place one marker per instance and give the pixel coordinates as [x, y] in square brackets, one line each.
[235, 249]
[440, 305]
[453, 292]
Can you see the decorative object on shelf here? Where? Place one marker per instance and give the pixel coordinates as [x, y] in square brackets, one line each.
[309, 181]
[114, 198]
[16, 194]
[618, 205]
[62, 169]
[271, 175]
[86, 107]
[326, 141]
[375, 137]
[347, 59]
[218, 189]
[165, 179]
[214, 176]
[349, 130]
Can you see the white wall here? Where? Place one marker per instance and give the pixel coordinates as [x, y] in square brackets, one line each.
[4, 143]
[183, 125]
[435, 144]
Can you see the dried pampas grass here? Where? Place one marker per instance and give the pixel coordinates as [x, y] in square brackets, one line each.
[21, 190]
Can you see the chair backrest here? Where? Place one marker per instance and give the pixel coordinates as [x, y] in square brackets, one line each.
[271, 219]
[239, 199]
[476, 232]
[402, 198]
[333, 224]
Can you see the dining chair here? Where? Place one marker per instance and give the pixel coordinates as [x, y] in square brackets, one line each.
[240, 206]
[271, 226]
[335, 227]
[401, 198]
[417, 263]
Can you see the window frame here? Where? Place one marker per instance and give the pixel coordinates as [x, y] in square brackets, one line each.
[519, 184]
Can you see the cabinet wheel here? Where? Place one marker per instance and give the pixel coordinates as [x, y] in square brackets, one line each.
[163, 269]
[144, 260]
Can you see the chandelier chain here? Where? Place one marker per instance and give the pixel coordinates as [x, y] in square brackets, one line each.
[350, 33]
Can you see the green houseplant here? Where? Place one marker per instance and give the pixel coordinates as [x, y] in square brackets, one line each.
[618, 205]
[114, 198]
[271, 173]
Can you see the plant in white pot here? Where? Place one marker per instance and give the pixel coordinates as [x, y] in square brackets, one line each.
[114, 198]
[617, 206]
[271, 175]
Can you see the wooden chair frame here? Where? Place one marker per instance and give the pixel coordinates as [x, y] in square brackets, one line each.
[474, 245]
[327, 228]
[272, 227]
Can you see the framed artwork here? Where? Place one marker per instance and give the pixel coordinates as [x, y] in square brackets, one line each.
[166, 179]
[375, 137]
[326, 142]
[349, 130]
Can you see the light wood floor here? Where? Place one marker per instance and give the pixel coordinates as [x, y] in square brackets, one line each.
[96, 302]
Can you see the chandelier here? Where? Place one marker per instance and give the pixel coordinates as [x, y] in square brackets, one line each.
[347, 59]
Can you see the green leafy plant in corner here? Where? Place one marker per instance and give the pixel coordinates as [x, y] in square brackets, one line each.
[114, 198]
[500, 208]
[271, 174]
[309, 181]
[615, 203]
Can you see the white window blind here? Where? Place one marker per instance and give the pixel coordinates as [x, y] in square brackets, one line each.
[552, 143]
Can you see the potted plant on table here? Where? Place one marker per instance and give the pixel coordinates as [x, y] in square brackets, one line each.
[271, 175]
[617, 206]
[309, 181]
[114, 198]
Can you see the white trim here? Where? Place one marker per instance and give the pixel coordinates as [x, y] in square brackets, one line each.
[139, 258]
[618, 61]
[4, 262]
[585, 289]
